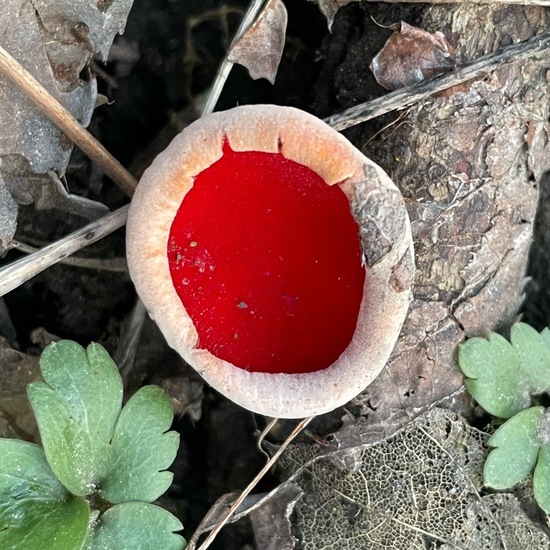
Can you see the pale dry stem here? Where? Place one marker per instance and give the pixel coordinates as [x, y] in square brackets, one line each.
[239, 500]
[65, 121]
[24, 269]
[115, 265]
[226, 65]
[405, 97]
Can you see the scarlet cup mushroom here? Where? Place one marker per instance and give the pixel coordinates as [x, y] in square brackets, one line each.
[274, 257]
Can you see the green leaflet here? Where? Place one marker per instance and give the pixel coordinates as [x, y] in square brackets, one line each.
[36, 511]
[76, 408]
[136, 526]
[142, 449]
[516, 450]
[502, 376]
[92, 449]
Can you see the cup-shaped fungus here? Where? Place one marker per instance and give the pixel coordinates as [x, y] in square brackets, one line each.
[274, 257]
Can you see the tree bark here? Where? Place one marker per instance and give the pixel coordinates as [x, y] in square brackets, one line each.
[468, 162]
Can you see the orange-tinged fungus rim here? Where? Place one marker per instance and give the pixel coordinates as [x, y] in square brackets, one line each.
[386, 243]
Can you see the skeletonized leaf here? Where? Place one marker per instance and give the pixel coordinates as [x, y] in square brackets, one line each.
[419, 484]
[261, 46]
[411, 55]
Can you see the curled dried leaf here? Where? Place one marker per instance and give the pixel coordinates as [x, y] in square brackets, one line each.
[411, 55]
[260, 48]
[329, 8]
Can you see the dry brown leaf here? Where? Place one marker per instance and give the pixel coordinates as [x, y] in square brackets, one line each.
[214, 515]
[269, 514]
[261, 47]
[46, 39]
[100, 22]
[185, 393]
[45, 190]
[271, 521]
[330, 7]
[411, 55]
[16, 371]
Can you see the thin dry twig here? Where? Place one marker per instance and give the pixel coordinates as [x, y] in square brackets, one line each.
[64, 120]
[405, 97]
[226, 65]
[117, 265]
[24, 269]
[231, 510]
[263, 435]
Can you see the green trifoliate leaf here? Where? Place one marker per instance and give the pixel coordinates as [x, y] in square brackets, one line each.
[541, 479]
[516, 449]
[534, 357]
[135, 526]
[545, 336]
[142, 448]
[502, 376]
[36, 511]
[76, 409]
[492, 368]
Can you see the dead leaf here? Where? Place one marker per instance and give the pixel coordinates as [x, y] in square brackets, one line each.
[99, 21]
[45, 190]
[274, 508]
[186, 395]
[419, 488]
[329, 8]
[55, 41]
[25, 130]
[261, 47]
[8, 216]
[17, 370]
[214, 515]
[271, 520]
[411, 55]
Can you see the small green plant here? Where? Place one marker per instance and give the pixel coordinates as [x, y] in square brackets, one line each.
[504, 377]
[92, 483]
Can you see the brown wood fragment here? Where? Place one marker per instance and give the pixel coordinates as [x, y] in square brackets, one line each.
[465, 166]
